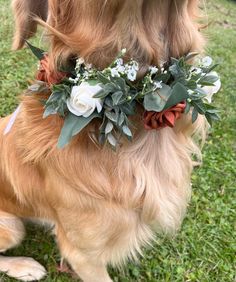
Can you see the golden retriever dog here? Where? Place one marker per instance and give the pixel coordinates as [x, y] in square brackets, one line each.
[105, 205]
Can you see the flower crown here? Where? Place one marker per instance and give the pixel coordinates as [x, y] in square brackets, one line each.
[112, 95]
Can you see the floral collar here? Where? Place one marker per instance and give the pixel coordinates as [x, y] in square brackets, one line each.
[112, 95]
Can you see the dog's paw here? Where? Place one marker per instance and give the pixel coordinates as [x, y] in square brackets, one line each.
[22, 268]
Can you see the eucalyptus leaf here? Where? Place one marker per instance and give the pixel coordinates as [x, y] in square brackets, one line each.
[200, 91]
[120, 82]
[178, 94]
[116, 97]
[72, 126]
[109, 127]
[194, 115]
[112, 140]
[187, 109]
[208, 79]
[103, 78]
[94, 82]
[192, 84]
[214, 116]
[199, 106]
[208, 117]
[101, 94]
[177, 71]
[50, 110]
[111, 87]
[111, 116]
[39, 53]
[156, 101]
[127, 131]
[128, 108]
[121, 118]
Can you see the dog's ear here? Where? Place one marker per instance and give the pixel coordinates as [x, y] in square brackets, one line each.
[25, 12]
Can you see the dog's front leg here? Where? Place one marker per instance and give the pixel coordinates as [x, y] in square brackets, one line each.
[85, 266]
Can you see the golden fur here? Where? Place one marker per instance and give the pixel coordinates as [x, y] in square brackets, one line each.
[105, 205]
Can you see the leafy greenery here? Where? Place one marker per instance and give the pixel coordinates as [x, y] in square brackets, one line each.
[118, 92]
[204, 249]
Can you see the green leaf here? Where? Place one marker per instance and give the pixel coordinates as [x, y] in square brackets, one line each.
[164, 77]
[156, 101]
[210, 69]
[116, 97]
[111, 116]
[109, 127]
[128, 108]
[199, 106]
[112, 140]
[179, 93]
[101, 94]
[121, 119]
[111, 87]
[72, 126]
[39, 53]
[103, 78]
[49, 110]
[192, 84]
[194, 115]
[200, 91]
[187, 109]
[127, 131]
[208, 80]
[176, 71]
[208, 117]
[214, 116]
[120, 82]
[93, 82]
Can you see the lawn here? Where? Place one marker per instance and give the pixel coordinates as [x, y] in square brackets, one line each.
[204, 250]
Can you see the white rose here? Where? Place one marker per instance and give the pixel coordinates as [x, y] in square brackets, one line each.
[211, 90]
[82, 101]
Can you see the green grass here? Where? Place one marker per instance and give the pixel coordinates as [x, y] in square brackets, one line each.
[204, 250]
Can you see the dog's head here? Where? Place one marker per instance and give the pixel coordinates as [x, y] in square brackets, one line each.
[150, 30]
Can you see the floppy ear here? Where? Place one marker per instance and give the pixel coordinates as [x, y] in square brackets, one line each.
[24, 13]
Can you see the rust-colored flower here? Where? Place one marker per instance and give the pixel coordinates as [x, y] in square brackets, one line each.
[47, 75]
[155, 120]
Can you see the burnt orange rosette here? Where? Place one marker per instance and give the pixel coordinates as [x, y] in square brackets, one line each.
[155, 120]
[47, 75]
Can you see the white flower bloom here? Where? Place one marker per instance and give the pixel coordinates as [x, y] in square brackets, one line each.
[211, 90]
[153, 70]
[82, 101]
[131, 74]
[135, 65]
[121, 69]
[119, 62]
[79, 62]
[72, 79]
[86, 75]
[115, 72]
[123, 51]
[158, 84]
[207, 61]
